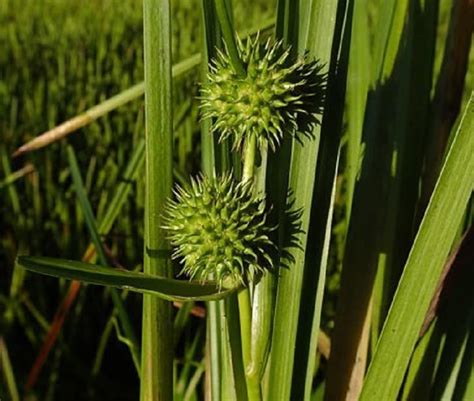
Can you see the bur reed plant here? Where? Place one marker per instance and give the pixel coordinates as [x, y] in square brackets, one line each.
[285, 121]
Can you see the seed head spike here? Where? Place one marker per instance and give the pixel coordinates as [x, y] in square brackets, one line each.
[222, 231]
[278, 97]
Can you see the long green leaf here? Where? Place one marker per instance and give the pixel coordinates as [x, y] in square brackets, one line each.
[235, 347]
[465, 383]
[7, 368]
[215, 341]
[225, 22]
[161, 287]
[423, 365]
[100, 110]
[319, 232]
[406, 91]
[323, 44]
[389, 32]
[157, 328]
[456, 317]
[133, 167]
[424, 265]
[94, 233]
[357, 88]
[85, 205]
[381, 226]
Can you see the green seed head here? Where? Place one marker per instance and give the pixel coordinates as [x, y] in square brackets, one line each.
[218, 228]
[277, 97]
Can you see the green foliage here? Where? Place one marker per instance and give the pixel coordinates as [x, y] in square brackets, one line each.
[424, 265]
[357, 234]
[171, 290]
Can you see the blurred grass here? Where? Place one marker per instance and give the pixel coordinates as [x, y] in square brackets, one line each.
[61, 58]
[58, 59]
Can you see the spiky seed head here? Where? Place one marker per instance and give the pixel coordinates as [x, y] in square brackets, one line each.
[277, 97]
[218, 229]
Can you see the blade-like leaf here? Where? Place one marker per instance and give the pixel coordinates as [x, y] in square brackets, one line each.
[165, 288]
[423, 268]
[290, 346]
[16, 175]
[86, 208]
[465, 383]
[6, 367]
[215, 340]
[100, 110]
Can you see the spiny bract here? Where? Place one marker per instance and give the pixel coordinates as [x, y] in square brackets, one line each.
[277, 97]
[218, 228]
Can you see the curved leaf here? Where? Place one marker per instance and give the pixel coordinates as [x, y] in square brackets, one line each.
[165, 288]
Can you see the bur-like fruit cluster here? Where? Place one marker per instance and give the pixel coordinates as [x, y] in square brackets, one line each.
[218, 229]
[278, 96]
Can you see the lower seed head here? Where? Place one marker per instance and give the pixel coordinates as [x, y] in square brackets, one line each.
[218, 229]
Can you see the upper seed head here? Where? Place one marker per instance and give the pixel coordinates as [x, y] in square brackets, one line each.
[277, 97]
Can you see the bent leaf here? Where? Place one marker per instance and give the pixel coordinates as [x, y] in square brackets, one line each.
[165, 288]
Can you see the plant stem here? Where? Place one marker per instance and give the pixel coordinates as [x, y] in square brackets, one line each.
[249, 158]
[215, 310]
[157, 333]
[245, 312]
[228, 34]
[6, 366]
[235, 346]
[245, 305]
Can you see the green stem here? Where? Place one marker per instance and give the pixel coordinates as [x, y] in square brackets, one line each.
[235, 347]
[245, 305]
[6, 366]
[215, 338]
[249, 158]
[245, 312]
[157, 332]
[228, 34]
[253, 388]
[263, 301]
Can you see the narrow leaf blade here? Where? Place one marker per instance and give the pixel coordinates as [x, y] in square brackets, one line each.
[165, 288]
[423, 268]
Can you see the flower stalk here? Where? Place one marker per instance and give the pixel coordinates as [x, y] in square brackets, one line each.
[245, 305]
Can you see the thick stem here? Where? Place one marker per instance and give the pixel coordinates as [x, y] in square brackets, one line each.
[245, 305]
[250, 151]
[232, 316]
[157, 332]
[253, 388]
[263, 301]
[245, 312]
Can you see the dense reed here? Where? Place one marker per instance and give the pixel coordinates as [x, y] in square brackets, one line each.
[322, 162]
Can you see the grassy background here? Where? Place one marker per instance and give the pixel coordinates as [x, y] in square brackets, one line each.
[59, 58]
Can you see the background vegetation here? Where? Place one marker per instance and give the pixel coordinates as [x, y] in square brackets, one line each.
[59, 58]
